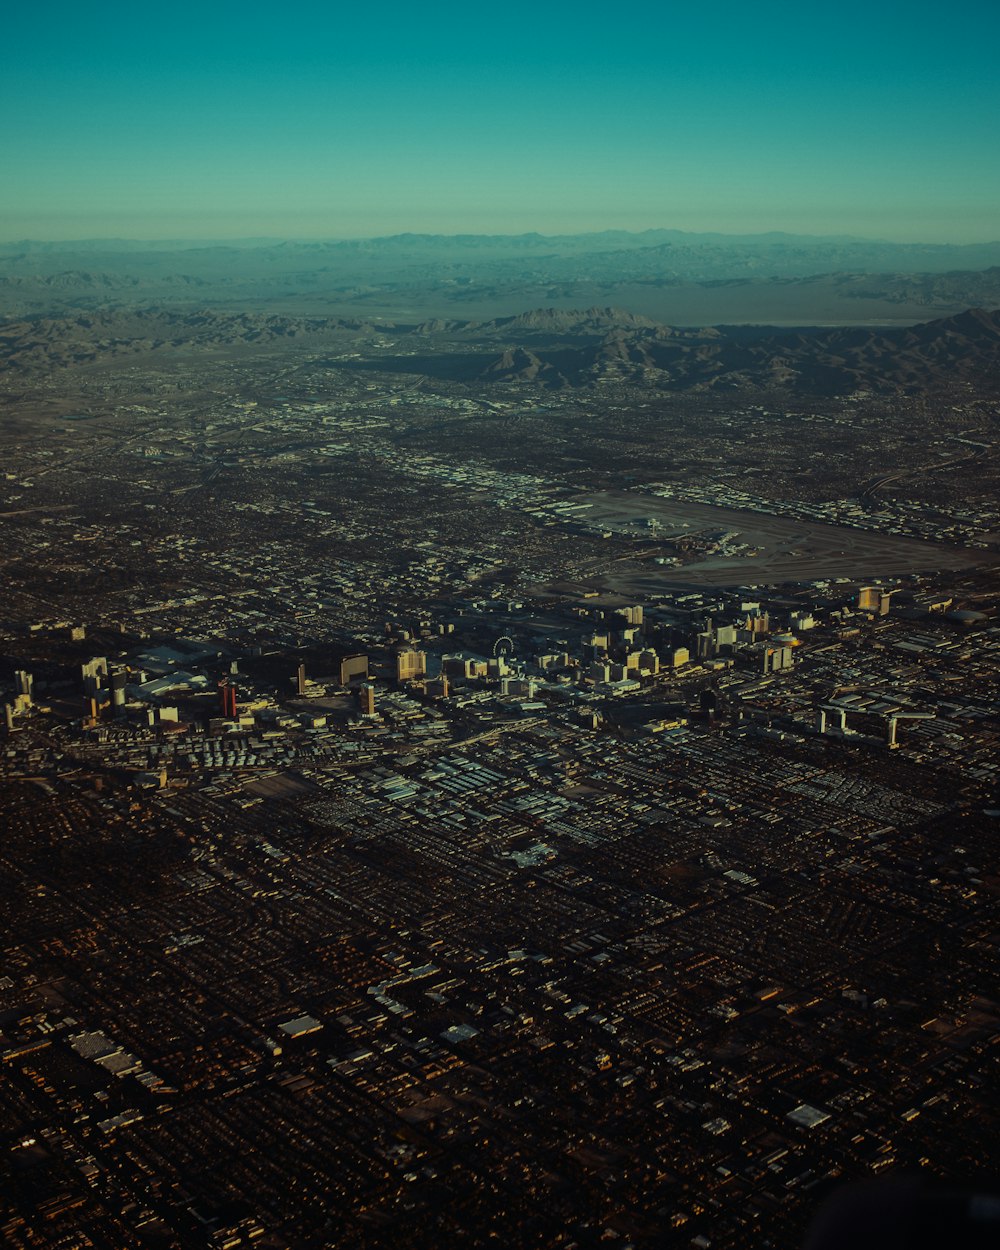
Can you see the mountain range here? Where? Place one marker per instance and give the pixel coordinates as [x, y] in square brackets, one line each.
[548, 347]
[668, 275]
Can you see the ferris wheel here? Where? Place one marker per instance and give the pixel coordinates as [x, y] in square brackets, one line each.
[503, 646]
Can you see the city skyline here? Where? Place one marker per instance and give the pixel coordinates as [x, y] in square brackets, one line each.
[500, 634]
[453, 797]
[231, 124]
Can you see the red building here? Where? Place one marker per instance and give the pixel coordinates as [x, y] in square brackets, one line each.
[227, 698]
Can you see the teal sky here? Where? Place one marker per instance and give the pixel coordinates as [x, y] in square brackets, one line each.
[224, 120]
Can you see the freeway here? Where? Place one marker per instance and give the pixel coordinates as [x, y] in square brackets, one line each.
[869, 492]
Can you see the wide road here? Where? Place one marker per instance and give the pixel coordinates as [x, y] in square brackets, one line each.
[869, 491]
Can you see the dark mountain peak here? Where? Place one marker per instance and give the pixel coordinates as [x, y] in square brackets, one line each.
[973, 321]
[518, 364]
[514, 358]
[930, 358]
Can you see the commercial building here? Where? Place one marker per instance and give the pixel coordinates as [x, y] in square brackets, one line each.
[410, 665]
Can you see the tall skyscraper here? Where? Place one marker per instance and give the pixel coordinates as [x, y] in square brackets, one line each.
[119, 677]
[873, 599]
[227, 699]
[352, 667]
[94, 673]
[410, 665]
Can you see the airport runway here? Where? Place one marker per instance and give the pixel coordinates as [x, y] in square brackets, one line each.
[787, 549]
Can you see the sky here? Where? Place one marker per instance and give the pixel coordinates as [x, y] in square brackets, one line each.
[299, 120]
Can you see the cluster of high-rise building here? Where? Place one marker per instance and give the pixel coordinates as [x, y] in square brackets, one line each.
[667, 957]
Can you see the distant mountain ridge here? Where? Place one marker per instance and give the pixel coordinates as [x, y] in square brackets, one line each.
[572, 321]
[549, 347]
[934, 357]
[46, 343]
[594, 240]
[49, 278]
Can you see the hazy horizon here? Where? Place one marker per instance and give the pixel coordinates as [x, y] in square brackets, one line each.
[233, 122]
[264, 240]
